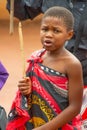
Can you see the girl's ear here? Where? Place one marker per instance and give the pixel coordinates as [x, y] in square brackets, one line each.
[70, 34]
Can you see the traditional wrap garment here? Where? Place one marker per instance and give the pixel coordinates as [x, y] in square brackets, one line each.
[48, 98]
[84, 109]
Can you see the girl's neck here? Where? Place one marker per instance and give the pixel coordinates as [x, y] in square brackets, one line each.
[56, 53]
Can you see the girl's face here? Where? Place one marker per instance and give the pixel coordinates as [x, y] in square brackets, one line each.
[54, 33]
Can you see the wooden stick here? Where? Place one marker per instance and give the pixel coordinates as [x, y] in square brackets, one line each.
[11, 16]
[22, 48]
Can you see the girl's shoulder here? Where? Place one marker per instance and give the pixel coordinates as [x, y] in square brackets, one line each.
[71, 61]
[35, 56]
[37, 53]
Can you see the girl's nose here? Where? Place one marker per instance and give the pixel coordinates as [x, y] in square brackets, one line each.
[49, 34]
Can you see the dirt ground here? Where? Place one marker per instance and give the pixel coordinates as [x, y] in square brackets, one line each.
[10, 54]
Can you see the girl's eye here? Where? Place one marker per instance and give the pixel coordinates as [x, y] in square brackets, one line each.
[44, 29]
[56, 31]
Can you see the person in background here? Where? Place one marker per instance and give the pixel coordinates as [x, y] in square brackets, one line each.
[50, 96]
[77, 7]
[3, 75]
[3, 115]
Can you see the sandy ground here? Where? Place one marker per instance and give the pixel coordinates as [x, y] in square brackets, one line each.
[10, 54]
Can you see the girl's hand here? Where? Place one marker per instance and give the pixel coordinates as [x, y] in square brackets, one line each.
[24, 86]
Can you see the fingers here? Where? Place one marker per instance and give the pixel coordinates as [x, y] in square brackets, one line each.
[25, 91]
[24, 86]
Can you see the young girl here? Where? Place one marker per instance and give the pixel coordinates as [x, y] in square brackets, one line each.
[53, 87]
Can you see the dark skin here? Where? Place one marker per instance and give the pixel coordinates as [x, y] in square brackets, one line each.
[53, 35]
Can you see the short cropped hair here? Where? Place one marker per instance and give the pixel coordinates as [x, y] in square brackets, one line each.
[61, 12]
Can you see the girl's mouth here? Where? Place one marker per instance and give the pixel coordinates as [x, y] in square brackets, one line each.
[47, 43]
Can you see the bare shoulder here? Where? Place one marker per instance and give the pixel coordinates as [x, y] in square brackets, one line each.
[73, 64]
[72, 59]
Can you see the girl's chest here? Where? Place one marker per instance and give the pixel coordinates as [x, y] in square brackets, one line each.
[55, 64]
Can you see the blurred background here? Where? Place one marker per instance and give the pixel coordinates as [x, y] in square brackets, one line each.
[10, 53]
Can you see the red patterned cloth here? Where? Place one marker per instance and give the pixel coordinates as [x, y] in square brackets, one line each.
[84, 109]
[48, 98]
[18, 115]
